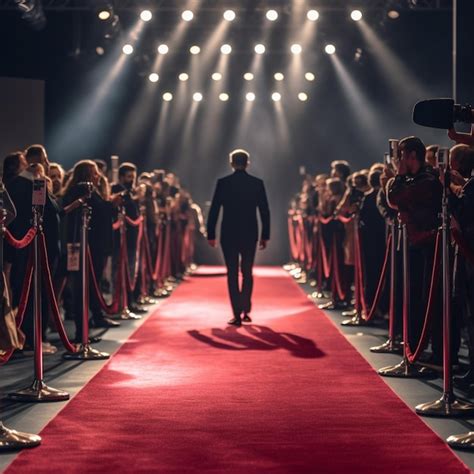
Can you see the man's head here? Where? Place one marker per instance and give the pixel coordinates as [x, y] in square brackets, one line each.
[340, 169]
[462, 159]
[412, 151]
[36, 154]
[127, 175]
[430, 155]
[56, 174]
[239, 159]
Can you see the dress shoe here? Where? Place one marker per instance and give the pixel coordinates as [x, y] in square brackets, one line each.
[464, 382]
[246, 318]
[137, 309]
[235, 322]
[105, 323]
[331, 306]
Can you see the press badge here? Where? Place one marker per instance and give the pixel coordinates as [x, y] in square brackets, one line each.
[73, 257]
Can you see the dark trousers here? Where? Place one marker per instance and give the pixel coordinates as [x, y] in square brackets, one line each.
[239, 255]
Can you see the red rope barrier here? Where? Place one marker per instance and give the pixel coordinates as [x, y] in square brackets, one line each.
[20, 243]
[336, 277]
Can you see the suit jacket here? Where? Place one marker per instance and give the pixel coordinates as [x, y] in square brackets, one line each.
[239, 194]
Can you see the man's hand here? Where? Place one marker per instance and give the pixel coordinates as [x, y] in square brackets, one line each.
[212, 243]
[262, 244]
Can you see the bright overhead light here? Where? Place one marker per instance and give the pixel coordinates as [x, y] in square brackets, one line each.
[194, 49]
[226, 49]
[217, 76]
[330, 49]
[309, 76]
[259, 48]
[146, 15]
[197, 97]
[356, 15]
[312, 15]
[187, 15]
[272, 15]
[153, 77]
[250, 96]
[296, 48]
[303, 96]
[104, 15]
[393, 14]
[163, 49]
[183, 77]
[223, 97]
[100, 51]
[279, 76]
[127, 49]
[229, 15]
[167, 96]
[248, 76]
[276, 97]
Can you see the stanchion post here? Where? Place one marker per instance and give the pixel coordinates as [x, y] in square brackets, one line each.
[38, 391]
[85, 352]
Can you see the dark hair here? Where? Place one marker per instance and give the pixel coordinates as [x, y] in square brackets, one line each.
[101, 164]
[374, 178]
[81, 173]
[239, 158]
[125, 168]
[342, 168]
[360, 180]
[413, 144]
[465, 158]
[11, 166]
[34, 151]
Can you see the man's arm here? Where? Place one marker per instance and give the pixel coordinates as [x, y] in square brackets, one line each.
[264, 211]
[214, 213]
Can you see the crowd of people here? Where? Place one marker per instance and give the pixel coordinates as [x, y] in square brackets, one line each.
[141, 231]
[341, 225]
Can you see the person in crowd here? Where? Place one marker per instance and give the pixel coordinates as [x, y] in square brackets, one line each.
[431, 156]
[56, 174]
[13, 165]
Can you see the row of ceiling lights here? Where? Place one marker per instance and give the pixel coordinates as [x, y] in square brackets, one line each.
[224, 96]
[217, 76]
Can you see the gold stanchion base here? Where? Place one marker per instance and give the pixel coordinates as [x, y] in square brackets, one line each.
[405, 370]
[349, 314]
[356, 320]
[317, 295]
[313, 283]
[388, 347]
[161, 293]
[86, 353]
[150, 300]
[39, 392]
[445, 407]
[126, 314]
[289, 266]
[462, 441]
[11, 440]
[141, 300]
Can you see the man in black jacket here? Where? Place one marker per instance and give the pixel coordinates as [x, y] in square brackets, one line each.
[240, 194]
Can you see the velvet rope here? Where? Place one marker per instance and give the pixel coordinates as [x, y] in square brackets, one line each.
[48, 281]
[292, 239]
[131, 280]
[20, 243]
[414, 355]
[336, 270]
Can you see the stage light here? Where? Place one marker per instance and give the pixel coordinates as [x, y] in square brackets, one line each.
[223, 97]
[330, 49]
[183, 77]
[197, 97]
[259, 48]
[276, 97]
[250, 96]
[279, 76]
[312, 15]
[356, 15]
[100, 51]
[104, 14]
[153, 77]
[146, 15]
[187, 15]
[127, 49]
[393, 14]
[296, 48]
[226, 49]
[229, 15]
[248, 76]
[167, 96]
[309, 76]
[272, 15]
[303, 96]
[194, 49]
[217, 76]
[163, 49]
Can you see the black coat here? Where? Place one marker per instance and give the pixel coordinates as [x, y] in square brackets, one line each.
[239, 194]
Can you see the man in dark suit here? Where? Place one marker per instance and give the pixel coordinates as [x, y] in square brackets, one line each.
[240, 194]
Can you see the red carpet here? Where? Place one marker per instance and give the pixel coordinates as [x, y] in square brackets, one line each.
[287, 394]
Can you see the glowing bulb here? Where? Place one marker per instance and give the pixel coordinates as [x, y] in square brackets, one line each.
[197, 97]
[223, 97]
[167, 96]
[217, 76]
[393, 14]
[104, 15]
[296, 48]
[229, 15]
[272, 15]
[309, 76]
[330, 49]
[226, 49]
[276, 97]
[163, 49]
[356, 15]
[100, 50]
[248, 76]
[153, 77]
[187, 15]
[194, 49]
[303, 96]
[279, 76]
[250, 96]
[127, 49]
[183, 77]
[312, 15]
[146, 15]
[259, 48]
